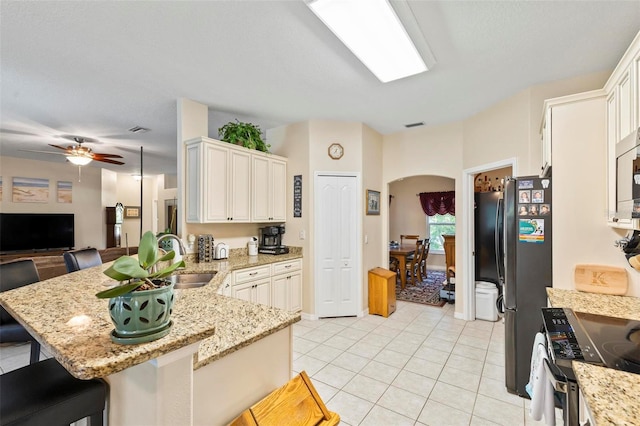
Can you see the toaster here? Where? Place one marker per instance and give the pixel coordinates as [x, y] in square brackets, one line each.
[221, 251]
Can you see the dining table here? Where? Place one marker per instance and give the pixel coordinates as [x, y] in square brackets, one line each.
[401, 252]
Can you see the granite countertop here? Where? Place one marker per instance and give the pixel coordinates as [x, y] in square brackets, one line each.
[74, 326]
[611, 395]
[599, 304]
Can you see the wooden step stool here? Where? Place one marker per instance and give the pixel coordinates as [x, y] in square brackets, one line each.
[296, 403]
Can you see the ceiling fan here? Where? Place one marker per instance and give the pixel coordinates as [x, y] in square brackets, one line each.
[81, 156]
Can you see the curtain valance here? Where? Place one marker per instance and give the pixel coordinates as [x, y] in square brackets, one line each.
[434, 203]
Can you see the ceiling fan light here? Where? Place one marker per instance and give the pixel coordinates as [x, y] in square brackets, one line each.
[79, 160]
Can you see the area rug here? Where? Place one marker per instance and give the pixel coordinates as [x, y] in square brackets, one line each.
[426, 292]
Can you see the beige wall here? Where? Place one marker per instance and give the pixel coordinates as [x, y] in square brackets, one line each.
[371, 179]
[405, 212]
[97, 189]
[580, 194]
[87, 196]
[435, 151]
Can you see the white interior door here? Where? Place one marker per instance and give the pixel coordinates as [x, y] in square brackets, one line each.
[336, 237]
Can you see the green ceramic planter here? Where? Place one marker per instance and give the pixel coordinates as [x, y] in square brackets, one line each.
[142, 314]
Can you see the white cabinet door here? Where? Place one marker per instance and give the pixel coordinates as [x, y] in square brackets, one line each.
[295, 292]
[262, 292]
[278, 190]
[243, 291]
[261, 196]
[254, 291]
[625, 113]
[280, 292]
[269, 189]
[216, 189]
[240, 186]
[193, 184]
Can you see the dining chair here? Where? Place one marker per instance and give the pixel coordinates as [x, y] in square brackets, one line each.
[14, 274]
[76, 260]
[412, 268]
[408, 237]
[45, 393]
[422, 263]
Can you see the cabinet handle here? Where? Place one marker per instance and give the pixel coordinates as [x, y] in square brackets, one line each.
[288, 266]
[253, 273]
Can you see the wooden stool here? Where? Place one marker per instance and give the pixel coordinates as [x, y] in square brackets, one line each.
[45, 393]
[295, 403]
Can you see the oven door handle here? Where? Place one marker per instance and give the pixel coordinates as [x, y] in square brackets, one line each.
[555, 376]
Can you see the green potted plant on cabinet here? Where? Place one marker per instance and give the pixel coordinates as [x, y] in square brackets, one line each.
[140, 306]
[244, 134]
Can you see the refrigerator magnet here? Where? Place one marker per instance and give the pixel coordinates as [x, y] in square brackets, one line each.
[524, 196]
[525, 184]
[531, 231]
[537, 196]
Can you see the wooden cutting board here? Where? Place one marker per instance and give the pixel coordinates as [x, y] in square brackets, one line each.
[601, 279]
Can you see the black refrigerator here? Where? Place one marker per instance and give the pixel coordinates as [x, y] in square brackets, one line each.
[527, 271]
[488, 236]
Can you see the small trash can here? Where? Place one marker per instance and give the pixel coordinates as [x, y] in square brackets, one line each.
[486, 297]
[382, 292]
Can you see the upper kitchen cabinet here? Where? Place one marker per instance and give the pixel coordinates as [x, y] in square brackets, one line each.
[558, 114]
[218, 182]
[231, 184]
[623, 119]
[269, 189]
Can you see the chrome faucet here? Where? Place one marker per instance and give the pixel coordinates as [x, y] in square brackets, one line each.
[182, 250]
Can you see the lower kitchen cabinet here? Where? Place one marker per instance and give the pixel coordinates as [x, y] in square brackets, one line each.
[254, 291]
[286, 285]
[252, 284]
[278, 285]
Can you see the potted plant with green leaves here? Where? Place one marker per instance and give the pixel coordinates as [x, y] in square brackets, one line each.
[244, 134]
[140, 306]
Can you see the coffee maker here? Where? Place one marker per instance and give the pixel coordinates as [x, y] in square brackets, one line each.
[271, 240]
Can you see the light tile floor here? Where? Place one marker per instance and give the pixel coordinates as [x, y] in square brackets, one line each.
[420, 366]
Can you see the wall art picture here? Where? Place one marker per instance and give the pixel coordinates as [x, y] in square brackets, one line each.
[132, 212]
[30, 190]
[65, 191]
[373, 202]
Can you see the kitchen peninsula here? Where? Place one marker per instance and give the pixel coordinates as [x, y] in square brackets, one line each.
[611, 396]
[221, 356]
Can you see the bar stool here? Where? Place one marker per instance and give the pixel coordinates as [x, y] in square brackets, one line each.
[45, 393]
[76, 260]
[16, 274]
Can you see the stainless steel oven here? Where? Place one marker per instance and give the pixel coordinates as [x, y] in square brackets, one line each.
[597, 339]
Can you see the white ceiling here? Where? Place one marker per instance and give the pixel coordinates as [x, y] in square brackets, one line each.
[97, 68]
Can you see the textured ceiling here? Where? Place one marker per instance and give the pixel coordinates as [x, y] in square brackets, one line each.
[97, 68]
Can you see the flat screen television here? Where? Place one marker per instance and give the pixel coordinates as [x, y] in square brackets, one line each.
[36, 231]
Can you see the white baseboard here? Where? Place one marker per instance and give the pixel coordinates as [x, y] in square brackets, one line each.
[458, 315]
[310, 317]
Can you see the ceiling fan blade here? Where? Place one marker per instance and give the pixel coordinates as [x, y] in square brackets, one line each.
[59, 147]
[43, 152]
[106, 160]
[96, 154]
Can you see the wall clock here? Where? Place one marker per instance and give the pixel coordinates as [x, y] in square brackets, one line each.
[336, 151]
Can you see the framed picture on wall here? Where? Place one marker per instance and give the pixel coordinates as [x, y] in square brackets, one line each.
[132, 212]
[373, 202]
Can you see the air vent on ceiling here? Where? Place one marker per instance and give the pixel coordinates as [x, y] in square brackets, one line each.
[420, 123]
[138, 129]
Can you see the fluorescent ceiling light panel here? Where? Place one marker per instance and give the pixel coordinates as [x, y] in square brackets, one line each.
[372, 31]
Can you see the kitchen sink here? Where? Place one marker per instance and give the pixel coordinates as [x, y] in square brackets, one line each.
[190, 280]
